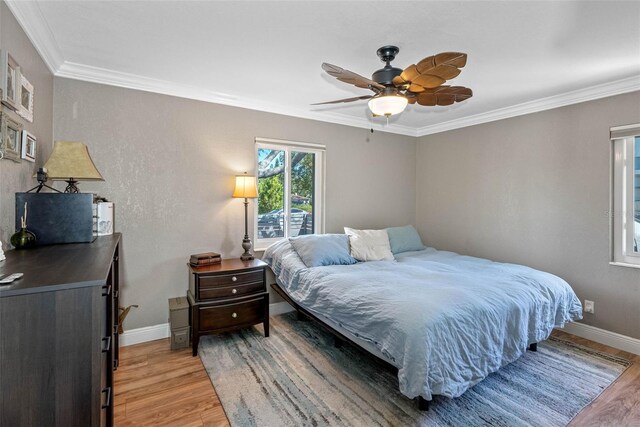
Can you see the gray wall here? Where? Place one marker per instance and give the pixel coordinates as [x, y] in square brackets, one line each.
[534, 190]
[15, 177]
[169, 166]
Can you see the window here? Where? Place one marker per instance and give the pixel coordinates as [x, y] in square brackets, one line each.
[625, 141]
[290, 190]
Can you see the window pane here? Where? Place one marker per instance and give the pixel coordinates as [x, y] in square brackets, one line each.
[302, 193]
[636, 195]
[271, 164]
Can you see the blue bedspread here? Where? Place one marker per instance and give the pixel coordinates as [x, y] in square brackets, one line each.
[446, 321]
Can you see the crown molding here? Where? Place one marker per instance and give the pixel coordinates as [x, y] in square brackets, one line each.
[30, 18]
[105, 76]
[617, 87]
[133, 81]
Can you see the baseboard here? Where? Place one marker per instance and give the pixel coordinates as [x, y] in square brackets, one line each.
[158, 332]
[612, 339]
[148, 333]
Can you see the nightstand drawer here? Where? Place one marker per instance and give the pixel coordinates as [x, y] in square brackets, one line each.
[231, 291]
[231, 315]
[231, 279]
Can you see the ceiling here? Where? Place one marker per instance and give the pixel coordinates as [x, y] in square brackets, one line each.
[522, 56]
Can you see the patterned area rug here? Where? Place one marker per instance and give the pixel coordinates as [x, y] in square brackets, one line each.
[296, 377]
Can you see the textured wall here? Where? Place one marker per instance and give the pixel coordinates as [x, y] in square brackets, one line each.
[15, 177]
[169, 165]
[534, 190]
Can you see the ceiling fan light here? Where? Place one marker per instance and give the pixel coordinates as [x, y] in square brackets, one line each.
[387, 105]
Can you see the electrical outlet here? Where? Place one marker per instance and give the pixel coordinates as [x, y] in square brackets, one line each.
[589, 306]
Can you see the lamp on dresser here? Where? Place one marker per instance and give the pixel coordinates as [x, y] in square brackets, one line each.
[246, 188]
[70, 161]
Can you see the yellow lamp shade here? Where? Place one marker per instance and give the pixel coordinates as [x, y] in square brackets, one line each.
[71, 159]
[245, 187]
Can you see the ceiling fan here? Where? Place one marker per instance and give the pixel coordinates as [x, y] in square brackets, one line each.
[421, 83]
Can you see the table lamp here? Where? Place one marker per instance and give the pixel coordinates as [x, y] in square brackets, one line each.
[70, 161]
[246, 188]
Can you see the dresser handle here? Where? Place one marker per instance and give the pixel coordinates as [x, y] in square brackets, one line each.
[234, 279]
[234, 315]
[234, 291]
[108, 391]
[107, 347]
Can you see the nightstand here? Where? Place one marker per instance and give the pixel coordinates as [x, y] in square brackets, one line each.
[227, 296]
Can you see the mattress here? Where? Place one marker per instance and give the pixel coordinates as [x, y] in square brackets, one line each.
[445, 320]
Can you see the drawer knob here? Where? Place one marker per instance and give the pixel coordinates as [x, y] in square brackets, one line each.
[234, 279]
[234, 315]
[234, 291]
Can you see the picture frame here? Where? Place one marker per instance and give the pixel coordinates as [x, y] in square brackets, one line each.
[9, 80]
[25, 98]
[10, 143]
[28, 146]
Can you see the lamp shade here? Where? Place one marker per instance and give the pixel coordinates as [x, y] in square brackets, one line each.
[387, 105]
[71, 159]
[245, 187]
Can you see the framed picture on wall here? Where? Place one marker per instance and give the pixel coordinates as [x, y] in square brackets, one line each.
[25, 106]
[28, 146]
[9, 80]
[10, 130]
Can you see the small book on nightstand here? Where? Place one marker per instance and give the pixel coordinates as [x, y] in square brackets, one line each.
[206, 258]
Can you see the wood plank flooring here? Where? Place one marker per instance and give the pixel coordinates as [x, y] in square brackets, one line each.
[157, 386]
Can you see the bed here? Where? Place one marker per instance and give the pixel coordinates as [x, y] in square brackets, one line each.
[444, 320]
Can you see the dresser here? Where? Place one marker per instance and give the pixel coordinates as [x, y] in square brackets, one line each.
[227, 296]
[58, 334]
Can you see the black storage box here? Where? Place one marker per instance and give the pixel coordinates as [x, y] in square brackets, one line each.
[57, 217]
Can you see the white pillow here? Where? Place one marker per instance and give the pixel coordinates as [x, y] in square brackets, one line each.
[369, 245]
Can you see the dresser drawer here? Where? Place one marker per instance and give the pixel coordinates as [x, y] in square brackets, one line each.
[232, 315]
[231, 279]
[223, 292]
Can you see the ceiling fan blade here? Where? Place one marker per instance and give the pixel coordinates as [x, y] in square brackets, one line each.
[428, 81]
[338, 101]
[431, 72]
[350, 77]
[398, 81]
[456, 59]
[444, 95]
[416, 88]
[445, 99]
[427, 99]
[445, 65]
[409, 73]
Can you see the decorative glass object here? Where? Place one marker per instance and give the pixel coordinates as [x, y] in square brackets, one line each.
[23, 239]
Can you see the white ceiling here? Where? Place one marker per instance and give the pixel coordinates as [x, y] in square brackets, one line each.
[522, 56]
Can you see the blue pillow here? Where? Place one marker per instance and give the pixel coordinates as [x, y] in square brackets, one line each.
[317, 250]
[404, 239]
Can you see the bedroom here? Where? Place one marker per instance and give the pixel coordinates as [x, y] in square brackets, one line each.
[528, 185]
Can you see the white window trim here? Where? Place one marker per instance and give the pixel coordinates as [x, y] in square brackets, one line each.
[319, 193]
[622, 196]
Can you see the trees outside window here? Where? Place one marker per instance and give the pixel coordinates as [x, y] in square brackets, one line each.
[290, 190]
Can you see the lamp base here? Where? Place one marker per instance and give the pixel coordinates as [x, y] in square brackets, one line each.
[71, 186]
[246, 245]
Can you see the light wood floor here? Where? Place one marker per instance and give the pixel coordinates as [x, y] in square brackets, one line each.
[157, 386]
